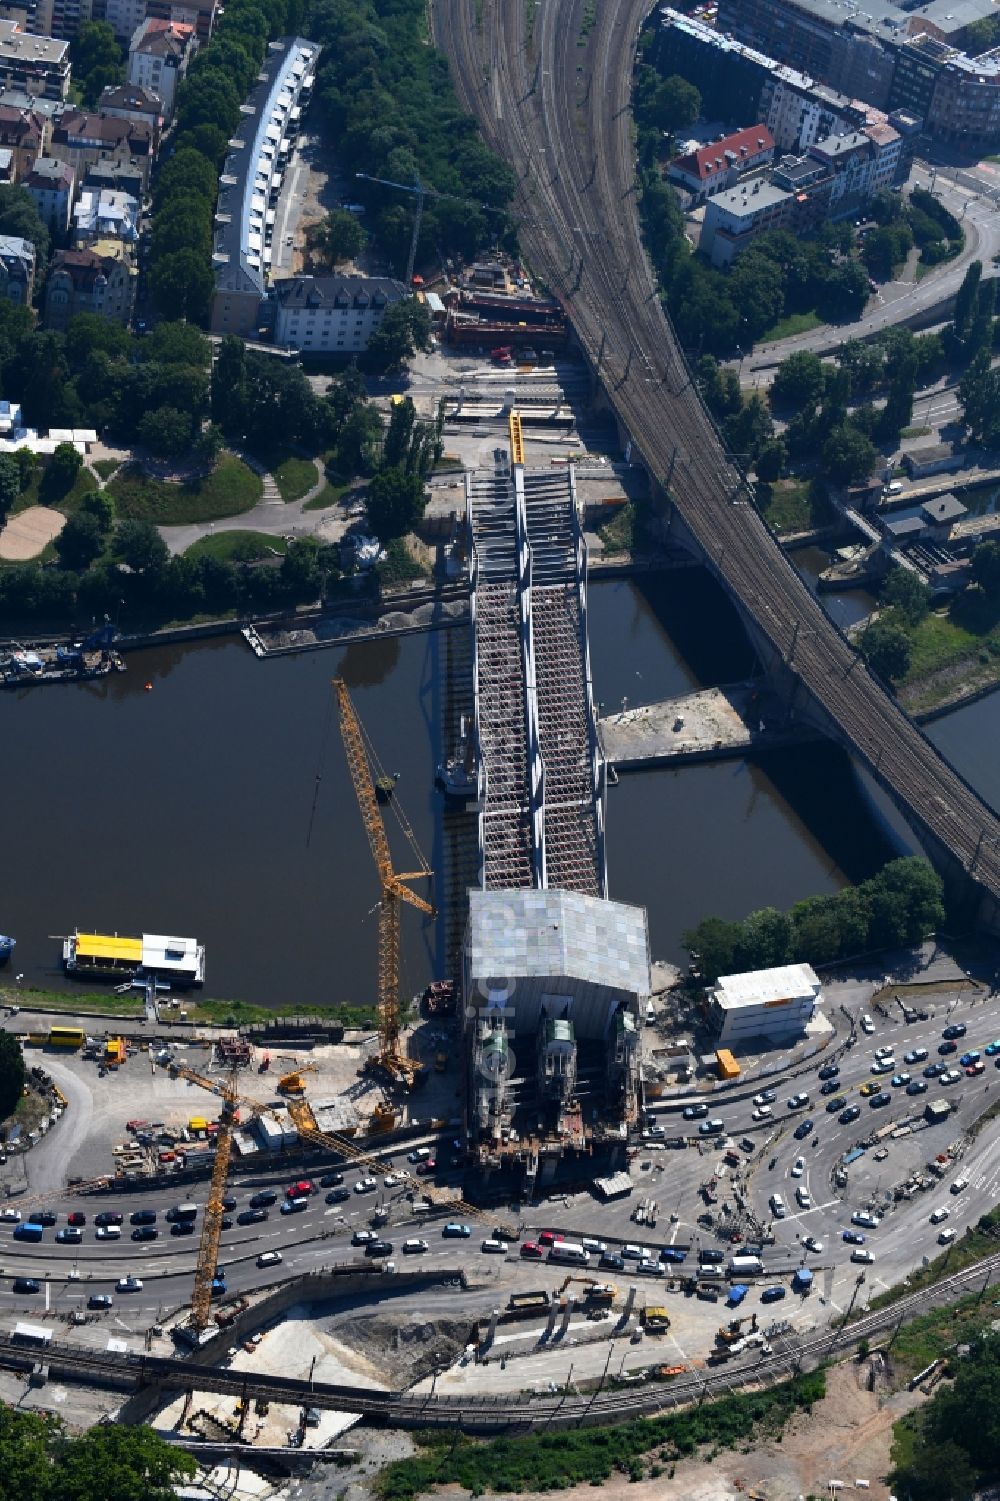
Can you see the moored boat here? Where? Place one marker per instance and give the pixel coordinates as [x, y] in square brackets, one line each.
[66, 662]
[7, 947]
[109, 956]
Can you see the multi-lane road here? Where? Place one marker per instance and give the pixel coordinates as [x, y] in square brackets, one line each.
[550, 85]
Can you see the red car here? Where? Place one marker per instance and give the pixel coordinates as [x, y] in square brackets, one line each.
[300, 1190]
[975, 1069]
[531, 1250]
[548, 1238]
[430, 1166]
[168, 1157]
[77, 1218]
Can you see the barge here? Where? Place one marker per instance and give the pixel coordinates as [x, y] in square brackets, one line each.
[109, 956]
[67, 662]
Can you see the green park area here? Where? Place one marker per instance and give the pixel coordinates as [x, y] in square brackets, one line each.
[229, 488]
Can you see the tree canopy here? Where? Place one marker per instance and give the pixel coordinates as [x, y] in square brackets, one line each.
[109, 1462]
[12, 1073]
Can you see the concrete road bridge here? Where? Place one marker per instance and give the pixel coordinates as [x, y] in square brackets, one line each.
[550, 84]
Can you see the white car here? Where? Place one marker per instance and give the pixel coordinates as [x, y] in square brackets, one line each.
[419, 1154]
[951, 1076]
[864, 1257]
[393, 1180]
[804, 1197]
[365, 1186]
[798, 1167]
[946, 1237]
[11, 1216]
[269, 1258]
[884, 1066]
[866, 1220]
[766, 1097]
[497, 1247]
[939, 1215]
[596, 1247]
[362, 1237]
[884, 1052]
[763, 1113]
[129, 1284]
[810, 1243]
[414, 1247]
[867, 1025]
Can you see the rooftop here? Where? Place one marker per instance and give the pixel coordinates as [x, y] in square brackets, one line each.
[49, 173]
[836, 147]
[527, 932]
[766, 987]
[26, 47]
[946, 507]
[160, 38]
[13, 247]
[749, 198]
[733, 149]
[904, 524]
[336, 291]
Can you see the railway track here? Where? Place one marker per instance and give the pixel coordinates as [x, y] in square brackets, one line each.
[550, 82]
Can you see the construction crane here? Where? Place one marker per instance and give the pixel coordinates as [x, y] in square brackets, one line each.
[420, 193]
[390, 1059]
[294, 1082]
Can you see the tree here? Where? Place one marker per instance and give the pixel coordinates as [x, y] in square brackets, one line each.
[176, 344]
[395, 503]
[986, 568]
[10, 485]
[187, 171]
[848, 457]
[765, 940]
[675, 103]
[884, 249]
[80, 542]
[166, 431]
[712, 946]
[404, 329]
[771, 461]
[12, 1073]
[936, 1472]
[62, 470]
[798, 381]
[140, 545]
[208, 444]
[908, 593]
[966, 298]
[183, 284]
[299, 571]
[887, 649]
[100, 505]
[25, 1440]
[340, 237]
[97, 60]
[19, 216]
[112, 1462]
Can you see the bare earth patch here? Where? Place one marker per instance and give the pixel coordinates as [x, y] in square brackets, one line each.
[29, 532]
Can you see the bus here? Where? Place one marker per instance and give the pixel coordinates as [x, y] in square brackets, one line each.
[569, 1250]
[67, 1037]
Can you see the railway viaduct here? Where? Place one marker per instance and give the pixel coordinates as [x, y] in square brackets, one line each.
[550, 83]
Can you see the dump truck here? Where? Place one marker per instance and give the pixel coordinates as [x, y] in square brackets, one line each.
[655, 1320]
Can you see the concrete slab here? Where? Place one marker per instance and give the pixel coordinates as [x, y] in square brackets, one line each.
[726, 721]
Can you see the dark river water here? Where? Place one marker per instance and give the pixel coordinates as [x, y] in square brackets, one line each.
[217, 804]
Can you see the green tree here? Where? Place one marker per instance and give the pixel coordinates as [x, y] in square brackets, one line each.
[674, 105]
[986, 568]
[19, 216]
[187, 171]
[183, 284]
[115, 1462]
[938, 1471]
[97, 60]
[12, 1073]
[340, 237]
[966, 298]
[765, 940]
[176, 344]
[209, 443]
[62, 470]
[885, 249]
[713, 946]
[166, 431]
[25, 1436]
[848, 457]
[908, 593]
[395, 503]
[299, 572]
[798, 381]
[10, 485]
[771, 461]
[140, 545]
[100, 505]
[80, 542]
[404, 329]
[887, 649]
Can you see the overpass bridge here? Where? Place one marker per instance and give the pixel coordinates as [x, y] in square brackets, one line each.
[551, 87]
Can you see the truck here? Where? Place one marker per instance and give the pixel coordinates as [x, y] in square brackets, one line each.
[737, 1293]
[539, 1299]
[802, 1280]
[655, 1320]
[745, 1266]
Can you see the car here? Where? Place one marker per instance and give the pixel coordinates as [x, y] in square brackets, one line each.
[108, 1217]
[951, 1076]
[798, 1167]
[957, 1029]
[142, 1217]
[829, 1071]
[975, 1069]
[378, 1248]
[129, 1285]
[883, 1065]
[870, 1086]
[530, 1250]
[915, 1055]
[766, 1097]
[300, 1190]
[810, 1243]
[27, 1284]
[612, 1262]
[338, 1195]
[946, 1237]
[145, 1232]
[10, 1216]
[900, 1081]
[226, 1222]
[393, 1180]
[772, 1295]
[803, 1130]
[937, 1215]
[968, 1059]
[44, 1217]
[673, 1253]
[264, 1199]
[804, 1197]
[548, 1238]
[595, 1247]
[331, 1180]
[886, 1052]
[850, 1114]
[944, 1048]
[836, 1104]
[713, 1257]
[762, 1113]
[866, 1218]
[294, 1206]
[711, 1128]
[694, 1112]
[919, 1086]
[454, 1230]
[830, 1087]
[229, 1202]
[853, 1237]
[419, 1154]
[100, 1300]
[865, 1258]
[992, 1048]
[429, 1165]
[108, 1232]
[76, 1218]
[269, 1258]
[798, 1102]
[648, 1267]
[251, 1217]
[867, 1025]
[182, 1227]
[934, 1070]
[362, 1237]
[365, 1186]
[494, 1247]
[880, 1101]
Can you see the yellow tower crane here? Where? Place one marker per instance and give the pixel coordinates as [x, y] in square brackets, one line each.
[390, 1058]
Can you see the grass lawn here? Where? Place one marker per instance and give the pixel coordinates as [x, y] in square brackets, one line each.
[294, 477]
[792, 505]
[938, 642]
[228, 490]
[240, 1013]
[795, 323]
[327, 497]
[399, 565]
[35, 495]
[71, 1003]
[625, 531]
[915, 432]
[106, 467]
[238, 547]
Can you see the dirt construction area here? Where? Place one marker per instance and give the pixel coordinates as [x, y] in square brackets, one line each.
[29, 533]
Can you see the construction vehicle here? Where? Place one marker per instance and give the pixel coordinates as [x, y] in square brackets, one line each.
[655, 1319]
[293, 1083]
[597, 1292]
[390, 1060]
[728, 1334]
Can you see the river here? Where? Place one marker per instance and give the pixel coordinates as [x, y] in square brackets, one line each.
[216, 803]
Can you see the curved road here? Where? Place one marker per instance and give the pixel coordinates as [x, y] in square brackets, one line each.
[556, 104]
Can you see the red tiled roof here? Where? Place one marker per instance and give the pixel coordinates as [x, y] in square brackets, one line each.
[741, 146]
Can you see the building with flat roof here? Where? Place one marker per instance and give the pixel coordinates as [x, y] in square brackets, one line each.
[775, 1003]
[331, 314]
[38, 65]
[720, 164]
[251, 182]
[734, 218]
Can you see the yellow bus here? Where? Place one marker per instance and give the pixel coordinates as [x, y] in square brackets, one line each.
[66, 1037]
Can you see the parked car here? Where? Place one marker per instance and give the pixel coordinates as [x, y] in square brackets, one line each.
[694, 1112]
[850, 1114]
[772, 1294]
[365, 1186]
[830, 1087]
[829, 1071]
[915, 1055]
[919, 1086]
[612, 1262]
[455, 1231]
[804, 1129]
[900, 1081]
[837, 1104]
[530, 1250]
[879, 1101]
[957, 1029]
[947, 1047]
[968, 1059]
[935, 1070]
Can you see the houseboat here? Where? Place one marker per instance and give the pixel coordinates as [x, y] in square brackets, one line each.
[109, 956]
